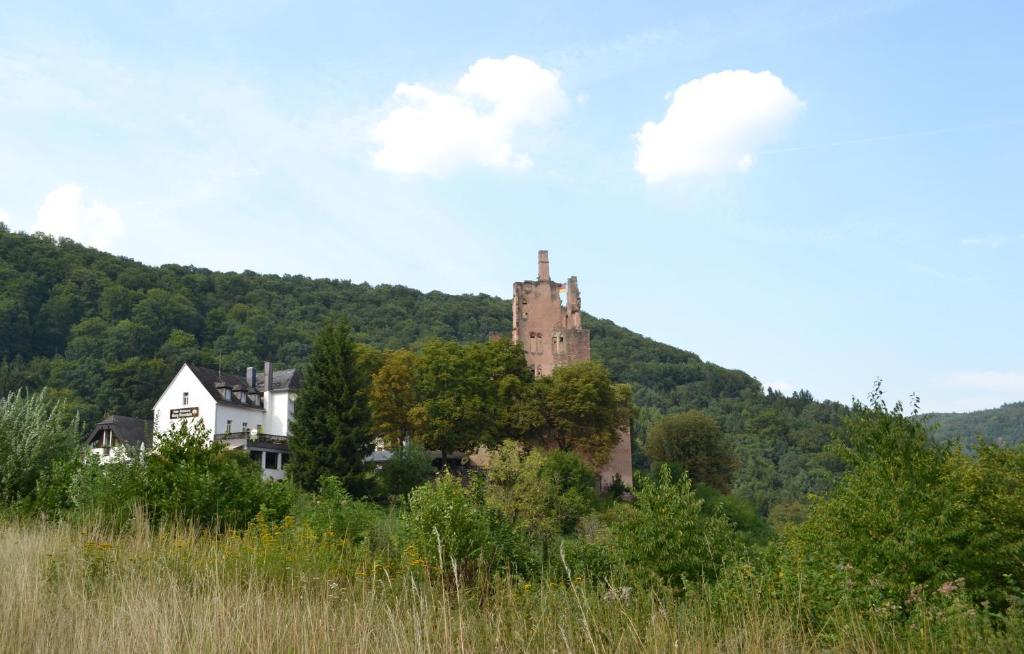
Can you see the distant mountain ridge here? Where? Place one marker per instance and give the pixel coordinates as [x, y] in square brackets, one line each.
[1003, 425]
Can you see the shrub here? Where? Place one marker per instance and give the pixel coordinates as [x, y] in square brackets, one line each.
[451, 522]
[39, 441]
[910, 524]
[109, 492]
[188, 476]
[333, 510]
[666, 534]
[409, 467]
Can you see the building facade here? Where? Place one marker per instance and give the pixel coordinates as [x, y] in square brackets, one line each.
[552, 335]
[115, 434]
[246, 412]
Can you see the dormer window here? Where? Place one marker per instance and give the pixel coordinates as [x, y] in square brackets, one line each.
[227, 393]
[243, 396]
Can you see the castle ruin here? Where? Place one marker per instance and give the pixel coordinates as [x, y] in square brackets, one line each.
[552, 335]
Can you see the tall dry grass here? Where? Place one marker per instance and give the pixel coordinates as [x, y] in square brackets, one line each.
[68, 589]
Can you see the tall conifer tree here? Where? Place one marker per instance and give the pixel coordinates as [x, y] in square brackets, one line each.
[331, 428]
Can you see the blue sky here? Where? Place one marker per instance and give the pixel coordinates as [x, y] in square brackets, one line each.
[817, 193]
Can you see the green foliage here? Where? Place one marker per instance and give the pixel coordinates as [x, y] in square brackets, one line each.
[39, 442]
[912, 522]
[666, 533]
[693, 441]
[190, 477]
[109, 493]
[464, 393]
[452, 525]
[583, 409]
[1003, 425]
[544, 493]
[107, 334]
[408, 467]
[332, 510]
[331, 429]
[392, 395]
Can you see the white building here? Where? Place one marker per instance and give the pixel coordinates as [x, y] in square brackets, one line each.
[245, 411]
[114, 434]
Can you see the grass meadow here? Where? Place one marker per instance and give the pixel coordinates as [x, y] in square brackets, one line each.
[280, 588]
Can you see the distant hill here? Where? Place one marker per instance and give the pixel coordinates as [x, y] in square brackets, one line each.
[108, 333]
[1004, 426]
[113, 330]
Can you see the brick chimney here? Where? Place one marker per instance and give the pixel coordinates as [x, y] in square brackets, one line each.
[543, 270]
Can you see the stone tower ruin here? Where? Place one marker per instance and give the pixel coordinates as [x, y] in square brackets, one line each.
[551, 333]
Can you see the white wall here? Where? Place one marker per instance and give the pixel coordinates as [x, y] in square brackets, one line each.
[213, 416]
[237, 415]
[281, 407]
[198, 396]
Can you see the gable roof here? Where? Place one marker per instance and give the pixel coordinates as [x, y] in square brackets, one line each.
[129, 431]
[282, 380]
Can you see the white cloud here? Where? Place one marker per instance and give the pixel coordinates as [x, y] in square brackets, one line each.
[1002, 382]
[64, 213]
[714, 124]
[433, 133]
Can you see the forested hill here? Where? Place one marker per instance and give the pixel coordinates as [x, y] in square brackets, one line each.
[109, 332]
[1004, 425]
[113, 330]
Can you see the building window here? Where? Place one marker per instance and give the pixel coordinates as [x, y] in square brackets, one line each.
[270, 460]
[245, 428]
[284, 459]
[184, 399]
[256, 456]
[227, 429]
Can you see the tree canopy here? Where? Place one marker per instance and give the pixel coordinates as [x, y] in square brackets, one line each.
[330, 434]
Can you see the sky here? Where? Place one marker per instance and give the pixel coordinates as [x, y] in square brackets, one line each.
[818, 193]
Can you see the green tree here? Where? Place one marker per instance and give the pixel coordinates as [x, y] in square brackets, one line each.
[189, 476]
[666, 533]
[331, 429]
[584, 410]
[392, 396]
[453, 412]
[693, 441]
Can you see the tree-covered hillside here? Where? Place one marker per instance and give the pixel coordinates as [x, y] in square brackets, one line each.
[1004, 425]
[108, 333]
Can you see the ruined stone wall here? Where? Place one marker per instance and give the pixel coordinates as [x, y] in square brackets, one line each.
[552, 335]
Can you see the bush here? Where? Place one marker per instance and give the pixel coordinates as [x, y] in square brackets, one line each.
[911, 524]
[190, 477]
[333, 511]
[409, 467]
[110, 492]
[40, 441]
[544, 493]
[451, 523]
[666, 534]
